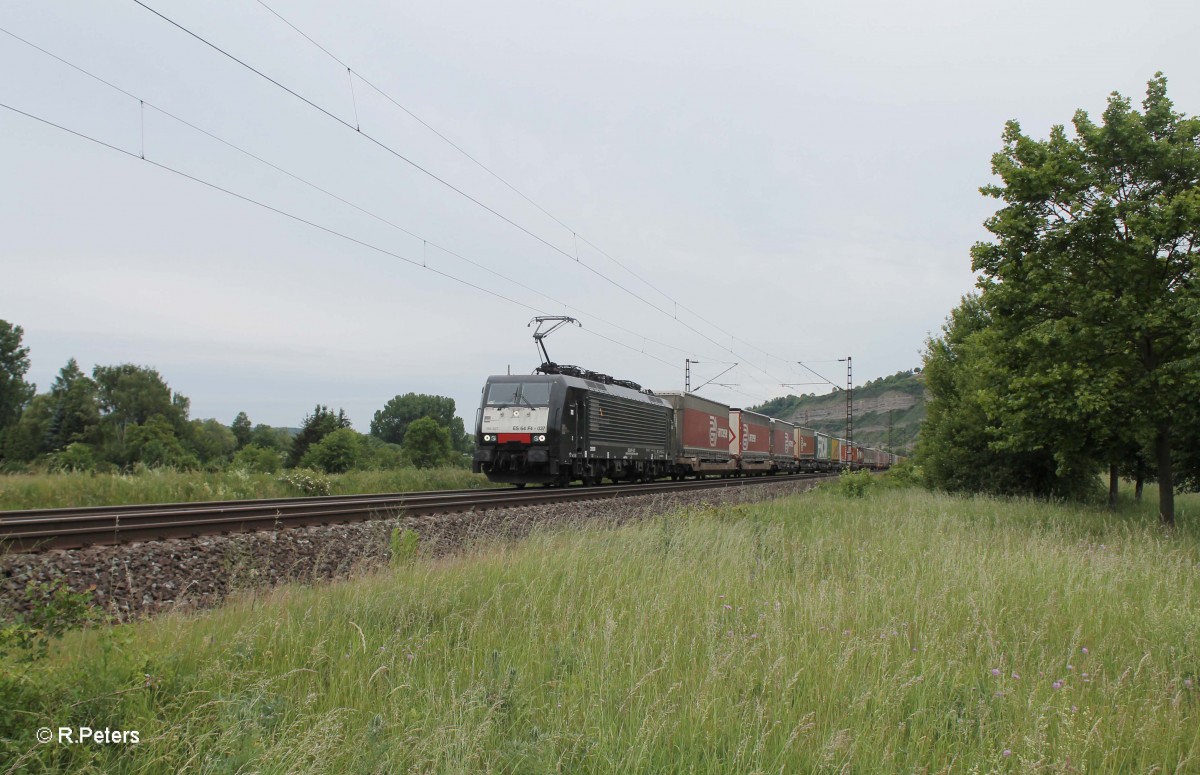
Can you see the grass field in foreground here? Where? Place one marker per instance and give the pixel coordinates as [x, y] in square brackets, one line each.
[902, 631]
[43, 491]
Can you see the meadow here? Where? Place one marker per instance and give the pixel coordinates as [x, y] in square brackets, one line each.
[166, 485]
[900, 631]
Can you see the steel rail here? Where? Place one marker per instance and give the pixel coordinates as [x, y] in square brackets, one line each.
[74, 528]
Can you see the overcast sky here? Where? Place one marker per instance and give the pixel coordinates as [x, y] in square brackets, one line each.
[792, 181]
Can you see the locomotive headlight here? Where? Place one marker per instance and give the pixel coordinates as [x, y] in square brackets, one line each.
[487, 437]
[541, 438]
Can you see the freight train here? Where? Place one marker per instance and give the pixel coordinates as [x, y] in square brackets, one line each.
[565, 424]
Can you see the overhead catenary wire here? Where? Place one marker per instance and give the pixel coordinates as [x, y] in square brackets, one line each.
[425, 243]
[303, 220]
[574, 234]
[500, 178]
[434, 176]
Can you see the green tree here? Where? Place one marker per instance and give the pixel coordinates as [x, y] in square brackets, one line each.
[427, 443]
[258, 459]
[213, 442]
[131, 395]
[241, 429]
[1092, 280]
[155, 445]
[340, 451]
[961, 443]
[271, 438]
[76, 412]
[393, 420]
[28, 439]
[317, 426]
[15, 392]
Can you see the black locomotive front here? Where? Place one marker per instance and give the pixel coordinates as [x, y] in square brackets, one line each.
[519, 430]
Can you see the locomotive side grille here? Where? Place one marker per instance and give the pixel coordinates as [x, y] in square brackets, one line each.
[617, 421]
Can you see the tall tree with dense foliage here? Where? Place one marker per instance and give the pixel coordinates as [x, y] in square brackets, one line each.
[130, 396]
[393, 420]
[1092, 283]
[76, 408]
[15, 392]
[242, 430]
[317, 426]
[961, 447]
[427, 444]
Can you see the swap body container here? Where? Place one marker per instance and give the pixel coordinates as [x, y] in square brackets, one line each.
[806, 449]
[824, 459]
[702, 434]
[751, 445]
[783, 446]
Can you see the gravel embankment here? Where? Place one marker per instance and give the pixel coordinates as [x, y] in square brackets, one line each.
[144, 578]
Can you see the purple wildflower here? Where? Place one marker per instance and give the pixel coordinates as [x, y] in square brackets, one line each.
[1085, 675]
[1008, 752]
[1070, 667]
[1084, 649]
[996, 671]
[1056, 685]
[1187, 682]
[1016, 676]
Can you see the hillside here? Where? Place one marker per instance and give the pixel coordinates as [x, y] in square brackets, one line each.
[897, 401]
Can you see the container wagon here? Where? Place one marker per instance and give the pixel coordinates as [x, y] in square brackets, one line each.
[702, 436]
[783, 447]
[751, 442]
[824, 461]
[806, 449]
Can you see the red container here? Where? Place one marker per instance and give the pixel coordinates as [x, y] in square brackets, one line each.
[702, 425]
[783, 441]
[806, 444]
[752, 431]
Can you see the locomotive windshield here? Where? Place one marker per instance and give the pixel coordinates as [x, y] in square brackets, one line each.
[518, 394]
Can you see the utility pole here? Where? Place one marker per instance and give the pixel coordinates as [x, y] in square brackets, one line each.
[890, 446]
[849, 397]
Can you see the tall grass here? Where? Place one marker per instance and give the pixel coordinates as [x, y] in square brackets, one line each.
[39, 491]
[899, 631]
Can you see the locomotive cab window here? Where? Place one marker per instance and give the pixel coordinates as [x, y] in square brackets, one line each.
[519, 394]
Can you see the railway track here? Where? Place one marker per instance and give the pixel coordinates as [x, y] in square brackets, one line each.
[73, 528]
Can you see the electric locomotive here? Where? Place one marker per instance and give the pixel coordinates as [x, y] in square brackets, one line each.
[565, 424]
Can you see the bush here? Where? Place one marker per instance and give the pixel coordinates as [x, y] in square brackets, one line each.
[76, 457]
[256, 459]
[905, 474]
[337, 453]
[307, 482]
[854, 484]
[52, 609]
[382, 456]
